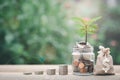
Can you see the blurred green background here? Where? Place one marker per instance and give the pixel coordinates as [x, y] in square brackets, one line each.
[42, 31]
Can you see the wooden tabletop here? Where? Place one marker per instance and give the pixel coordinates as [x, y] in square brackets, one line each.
[15, 72]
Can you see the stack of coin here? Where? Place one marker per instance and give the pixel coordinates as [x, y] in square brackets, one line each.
[27, 73]
[38, 72]
[63, 70]
[51, 71]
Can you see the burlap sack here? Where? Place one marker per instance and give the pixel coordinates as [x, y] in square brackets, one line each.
[104, 63]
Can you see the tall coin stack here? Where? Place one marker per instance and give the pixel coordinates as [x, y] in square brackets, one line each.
[63, 70]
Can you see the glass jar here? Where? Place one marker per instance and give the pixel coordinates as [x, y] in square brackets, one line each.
[83, 59]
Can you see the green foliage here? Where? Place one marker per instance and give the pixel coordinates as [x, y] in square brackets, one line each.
[86, 25]
[81, 23]
[34, 31]
[109, 32]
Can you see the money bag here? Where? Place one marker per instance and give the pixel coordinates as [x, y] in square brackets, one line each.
[104, 63]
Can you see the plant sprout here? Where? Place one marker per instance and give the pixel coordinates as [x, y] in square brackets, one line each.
[86, 26]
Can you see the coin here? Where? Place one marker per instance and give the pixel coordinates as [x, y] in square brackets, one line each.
[83, 70]
[63, 70]
[75, 69]
[76, 63]
[90, 68]
[38, 72]
[81, 65]
[27, 73]
[51, 71]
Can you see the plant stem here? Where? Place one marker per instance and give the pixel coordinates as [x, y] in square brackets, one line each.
[86, 34]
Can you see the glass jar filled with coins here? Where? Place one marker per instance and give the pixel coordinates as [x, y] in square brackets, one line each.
[83, 59]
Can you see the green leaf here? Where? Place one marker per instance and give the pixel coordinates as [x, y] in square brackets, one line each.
[81, 31]
[91, 30]
[94, 26]
[94, 20]
[79, 21]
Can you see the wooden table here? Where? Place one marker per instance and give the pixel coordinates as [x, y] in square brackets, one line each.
[15, 72]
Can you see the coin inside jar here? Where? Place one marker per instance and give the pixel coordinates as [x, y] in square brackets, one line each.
[83, 70]
[76, 63]
[81, 65]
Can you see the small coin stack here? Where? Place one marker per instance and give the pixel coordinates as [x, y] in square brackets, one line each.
[63, 70]
[51, 71]
[38, 72]
[27, 73]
